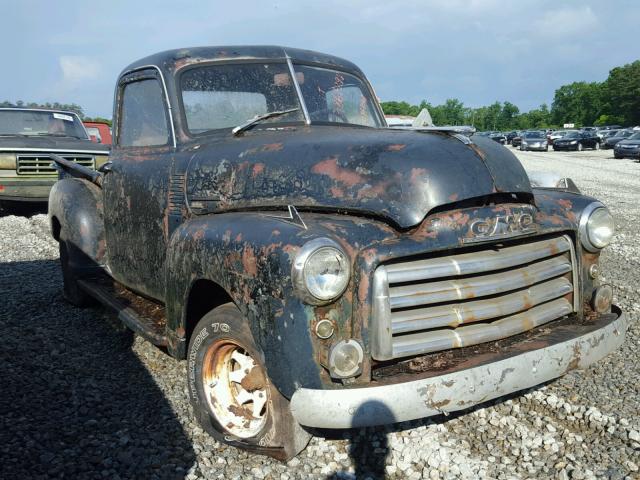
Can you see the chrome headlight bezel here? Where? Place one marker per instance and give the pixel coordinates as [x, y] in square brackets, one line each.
[585, 238]
[298, 274]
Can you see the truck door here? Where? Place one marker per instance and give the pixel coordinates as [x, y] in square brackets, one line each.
[136, 186]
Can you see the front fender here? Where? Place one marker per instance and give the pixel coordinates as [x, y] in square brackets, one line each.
[77, 205]
[249, 255]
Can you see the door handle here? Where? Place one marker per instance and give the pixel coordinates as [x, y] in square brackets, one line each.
[106, 167]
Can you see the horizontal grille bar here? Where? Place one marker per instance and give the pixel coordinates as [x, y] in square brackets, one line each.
[43, 165]
[434, 341]
[465, 288]
[469, 263]
[471, 297]
[463, 313]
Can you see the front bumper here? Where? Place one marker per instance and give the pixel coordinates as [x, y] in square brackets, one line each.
[537, 148]
[26, 190]
[565, 147]
[627, 153]
[360, 407]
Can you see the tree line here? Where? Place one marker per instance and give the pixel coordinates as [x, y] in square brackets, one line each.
[613, 101]
[69, 107]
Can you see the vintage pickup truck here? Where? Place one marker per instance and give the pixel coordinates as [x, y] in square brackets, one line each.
[318, 269]
[27, 138]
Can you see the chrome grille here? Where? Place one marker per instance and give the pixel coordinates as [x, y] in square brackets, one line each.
[34, 164]
[464, 299]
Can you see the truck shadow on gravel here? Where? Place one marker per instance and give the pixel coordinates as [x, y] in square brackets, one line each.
[369, 448]
[75, 400]
[24, 209]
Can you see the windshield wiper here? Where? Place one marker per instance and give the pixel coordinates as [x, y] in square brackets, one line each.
[258, 118]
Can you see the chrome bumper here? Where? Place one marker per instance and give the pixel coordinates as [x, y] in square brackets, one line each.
[360, 407]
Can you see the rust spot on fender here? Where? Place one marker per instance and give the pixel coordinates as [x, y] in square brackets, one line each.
[249, 261]
[258, 168]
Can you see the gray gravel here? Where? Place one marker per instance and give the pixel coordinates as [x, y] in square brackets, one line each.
[82, 397]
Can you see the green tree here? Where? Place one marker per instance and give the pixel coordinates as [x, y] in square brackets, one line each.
[70, 107]
[578, 102]
[508, 116]
[621, 94]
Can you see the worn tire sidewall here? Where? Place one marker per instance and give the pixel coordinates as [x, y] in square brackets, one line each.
[225, 322]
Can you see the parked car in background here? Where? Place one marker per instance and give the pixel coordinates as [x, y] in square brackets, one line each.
[611, 142]
[99, 132]
[578, 141]
[604, 134]
[628, 147]
[27, 138]
[501, 138]
[517, 140]
[610, 127]
[511, 135]
[534, 141]
[557, 134]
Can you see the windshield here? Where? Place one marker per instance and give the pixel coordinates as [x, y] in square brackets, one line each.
[533, 135]
[94, 132]
[40, 122]
[635, 136]
[573, 135]
[225, 96]
[623, 134]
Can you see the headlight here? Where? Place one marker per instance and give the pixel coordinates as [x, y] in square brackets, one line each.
[101, 160]
[596, 227]
[7, 161]
[573, 142]
[320, 272]
[525, 144]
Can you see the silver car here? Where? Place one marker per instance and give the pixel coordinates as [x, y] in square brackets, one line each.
[534, 141]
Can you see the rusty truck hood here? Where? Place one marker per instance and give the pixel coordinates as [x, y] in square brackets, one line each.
[397, 175]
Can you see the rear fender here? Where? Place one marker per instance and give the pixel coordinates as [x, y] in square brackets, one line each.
[77, 206]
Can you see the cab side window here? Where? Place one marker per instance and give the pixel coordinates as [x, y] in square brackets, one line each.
[143, 117]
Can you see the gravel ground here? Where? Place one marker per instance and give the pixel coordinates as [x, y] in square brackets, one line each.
[82, 397]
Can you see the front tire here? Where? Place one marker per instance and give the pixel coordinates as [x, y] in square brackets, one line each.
[580, 147]
[597, 146]
[230, 391]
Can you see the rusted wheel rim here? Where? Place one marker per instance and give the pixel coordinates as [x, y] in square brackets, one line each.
[235, 387]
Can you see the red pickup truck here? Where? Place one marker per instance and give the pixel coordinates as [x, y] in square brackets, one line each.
[99, 132]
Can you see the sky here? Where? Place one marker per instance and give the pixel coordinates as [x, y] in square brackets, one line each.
[478, 51]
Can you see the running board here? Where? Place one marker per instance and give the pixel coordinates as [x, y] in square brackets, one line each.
[141, 315]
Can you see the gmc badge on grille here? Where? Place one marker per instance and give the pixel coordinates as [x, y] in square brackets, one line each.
[501, 226]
